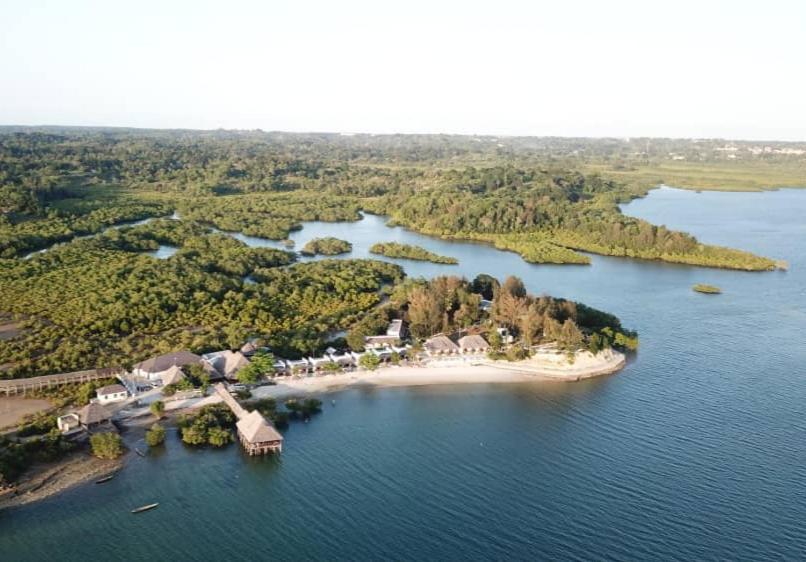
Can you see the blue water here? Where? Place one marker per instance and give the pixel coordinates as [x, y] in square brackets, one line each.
[695, 451]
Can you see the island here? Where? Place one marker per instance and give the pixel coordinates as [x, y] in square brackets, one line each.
[328, 246]
[706, 289]
[409, 252]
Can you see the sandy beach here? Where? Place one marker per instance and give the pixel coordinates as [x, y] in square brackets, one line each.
[542, 367]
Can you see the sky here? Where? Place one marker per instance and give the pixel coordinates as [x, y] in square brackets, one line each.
[617, 68]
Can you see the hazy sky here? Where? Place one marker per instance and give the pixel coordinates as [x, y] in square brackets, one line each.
[564, 67]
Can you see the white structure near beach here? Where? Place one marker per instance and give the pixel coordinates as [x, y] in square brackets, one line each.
[153, 369]
[112, 393]
[226, 363]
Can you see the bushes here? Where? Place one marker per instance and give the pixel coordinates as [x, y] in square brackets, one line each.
[208, 426]
[328, 246]
[107, 445]
[155, 436]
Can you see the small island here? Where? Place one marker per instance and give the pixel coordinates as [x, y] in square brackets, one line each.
[410, 252]
[706, 289]
[328, 246]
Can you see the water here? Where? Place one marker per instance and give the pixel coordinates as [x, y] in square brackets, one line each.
[694, 451]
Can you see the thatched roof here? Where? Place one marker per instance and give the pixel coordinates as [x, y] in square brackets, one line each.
[473, 342]
[173, 375]
[165, 362]
[92, 414]
[440, 344]
[256, 429]
[227, 363]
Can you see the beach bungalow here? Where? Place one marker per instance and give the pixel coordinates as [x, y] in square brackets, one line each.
[281, 367]
[440, 345]
[257, 435]
[226, 363]
[94, 416]
[112, 393]
[384, 354]
[344, 360]
[299, 366]
[473, 344]
[153, 369]
[318, 363]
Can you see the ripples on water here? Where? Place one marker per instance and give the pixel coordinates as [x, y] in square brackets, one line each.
[696, 450]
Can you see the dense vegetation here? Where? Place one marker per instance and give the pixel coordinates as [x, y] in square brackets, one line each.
[327, 246]
[104, 300]
[106, 445]
[409, 252]
[16, 455]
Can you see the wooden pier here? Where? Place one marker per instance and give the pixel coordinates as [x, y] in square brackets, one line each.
[256, 434]
[15, 387]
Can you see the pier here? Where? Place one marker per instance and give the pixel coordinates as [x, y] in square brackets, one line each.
[257, 435]
[23, 386]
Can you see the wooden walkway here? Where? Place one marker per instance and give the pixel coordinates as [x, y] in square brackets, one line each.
[233, 405]
[23, 386]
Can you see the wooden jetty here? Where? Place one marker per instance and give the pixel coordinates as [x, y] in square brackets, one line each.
[256, 434]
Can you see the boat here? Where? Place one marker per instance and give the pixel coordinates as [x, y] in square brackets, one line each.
[139, 452]
[106, 478]
[145, 508]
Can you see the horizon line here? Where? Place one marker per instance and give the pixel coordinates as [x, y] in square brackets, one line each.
[388, 134]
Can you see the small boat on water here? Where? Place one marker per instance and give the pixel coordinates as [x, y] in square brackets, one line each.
[106, 478]
[139, 452]
[145, 508]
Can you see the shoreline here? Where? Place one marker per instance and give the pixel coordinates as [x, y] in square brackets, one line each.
[47, 480]
[451, 371]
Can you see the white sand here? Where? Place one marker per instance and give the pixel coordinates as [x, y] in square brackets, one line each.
[544, 367]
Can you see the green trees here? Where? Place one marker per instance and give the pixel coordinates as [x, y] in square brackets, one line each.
[261, 365]
[107, 445]
[409, 252]
[369, 361]
[155, 436]
[328, 246]
[210, 425]
[157, 408]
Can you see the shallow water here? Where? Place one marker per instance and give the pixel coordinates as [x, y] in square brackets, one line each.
[696, 450]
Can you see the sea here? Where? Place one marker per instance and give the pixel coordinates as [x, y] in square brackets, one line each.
[695, 451]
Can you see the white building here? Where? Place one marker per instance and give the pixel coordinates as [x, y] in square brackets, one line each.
[112, 393]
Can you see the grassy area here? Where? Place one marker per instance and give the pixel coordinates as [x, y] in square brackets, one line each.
[713, 176]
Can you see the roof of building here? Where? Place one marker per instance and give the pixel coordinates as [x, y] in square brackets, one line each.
[111, 389]
[173, 375]
[256, 429]
[395, 328]
[93, 413]
[165, 362]
[249, 347]
[440, 344]
[474, 341]
[226, 363]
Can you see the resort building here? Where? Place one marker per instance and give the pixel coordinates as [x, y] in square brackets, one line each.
[344, 360]
[298, 366]
[154, 368]
[281, 367]
[440, 345]
[318, 363]
[473, 344]
[112, 393]
[395, 333]
[226, 363]
[94, 416]
[174, 376]
[257, 435]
